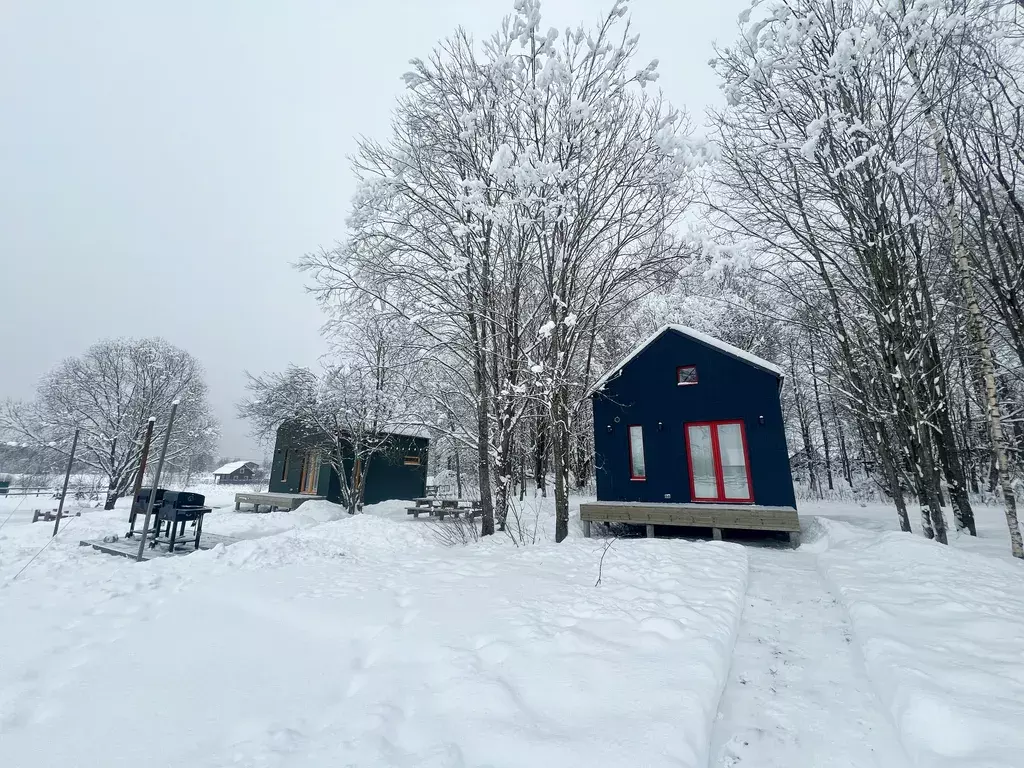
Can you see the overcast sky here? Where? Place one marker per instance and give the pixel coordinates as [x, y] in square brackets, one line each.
[163, 164]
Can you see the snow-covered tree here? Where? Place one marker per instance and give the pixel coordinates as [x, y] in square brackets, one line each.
[109, 394]
[347, 411]
[839, 186]
[529, 192]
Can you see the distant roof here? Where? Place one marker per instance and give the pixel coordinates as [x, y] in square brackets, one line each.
[703, 338]
[233, 466]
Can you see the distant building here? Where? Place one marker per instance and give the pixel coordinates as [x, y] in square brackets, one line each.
[399, 471]
[688, 432]
[237, 472]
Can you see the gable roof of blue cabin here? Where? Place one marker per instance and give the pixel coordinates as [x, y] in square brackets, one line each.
[703, 338]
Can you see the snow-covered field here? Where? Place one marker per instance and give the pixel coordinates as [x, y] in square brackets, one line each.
[364, 641]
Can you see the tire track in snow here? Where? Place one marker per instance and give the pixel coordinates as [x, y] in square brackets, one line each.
[797, 693]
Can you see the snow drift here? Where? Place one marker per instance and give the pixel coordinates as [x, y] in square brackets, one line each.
[942, 636]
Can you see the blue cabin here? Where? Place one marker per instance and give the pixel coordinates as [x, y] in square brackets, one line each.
[688, 431]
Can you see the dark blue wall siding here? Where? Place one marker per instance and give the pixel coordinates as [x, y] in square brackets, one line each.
[646, 393]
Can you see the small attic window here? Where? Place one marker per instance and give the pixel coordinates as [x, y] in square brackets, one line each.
[411, 461]
[686, 375]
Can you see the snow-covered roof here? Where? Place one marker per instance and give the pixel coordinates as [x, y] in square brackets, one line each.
[232, 466]
[703, 338]
[400, 430]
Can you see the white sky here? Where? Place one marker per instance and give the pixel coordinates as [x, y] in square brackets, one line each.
[163, 164]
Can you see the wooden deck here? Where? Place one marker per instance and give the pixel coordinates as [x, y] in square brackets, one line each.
[130, 547]
[717, 517]
[274, 501]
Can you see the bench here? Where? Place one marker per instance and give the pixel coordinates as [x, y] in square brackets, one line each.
[441, 508]
[50, 515]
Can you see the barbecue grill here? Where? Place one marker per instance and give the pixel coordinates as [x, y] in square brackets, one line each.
[139, 504]
[182, 499]
[178, 508]
[142, 497]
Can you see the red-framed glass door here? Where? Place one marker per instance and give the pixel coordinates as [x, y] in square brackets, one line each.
[718, 461]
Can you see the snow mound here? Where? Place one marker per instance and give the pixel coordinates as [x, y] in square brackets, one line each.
[319, 511]
[941, 632]
[366, 644]
[363, 537]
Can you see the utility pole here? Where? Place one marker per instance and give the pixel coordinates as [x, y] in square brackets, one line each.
[142, 471]
[156, 482]
[67, 476]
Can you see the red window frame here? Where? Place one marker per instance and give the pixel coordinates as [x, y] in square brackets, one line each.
[696, 378]
[717, 458]
[629, 445]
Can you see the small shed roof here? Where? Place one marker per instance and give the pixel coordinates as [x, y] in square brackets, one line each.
[232, 466]
[696, 335]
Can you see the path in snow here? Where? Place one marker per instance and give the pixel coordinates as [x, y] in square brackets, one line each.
[797, 693]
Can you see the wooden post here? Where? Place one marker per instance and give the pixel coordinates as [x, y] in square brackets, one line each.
[142, 470]
[586, 528]
[67, 476]
[650, 531]
[716, 534]
[156, 482]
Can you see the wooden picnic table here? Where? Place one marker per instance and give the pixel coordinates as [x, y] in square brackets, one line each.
[439, 508]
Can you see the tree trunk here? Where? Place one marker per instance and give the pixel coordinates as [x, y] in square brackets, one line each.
[483, 459]
[458, 473]
[805, 427]
[112, 495]
[892, 478]
[522, 475]
[844, 454]
[821, 416]
[559, 419]
[931, 484]
[540, 450]
[975, 321]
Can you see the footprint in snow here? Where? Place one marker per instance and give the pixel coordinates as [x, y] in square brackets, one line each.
[667, 628]
[494, 653]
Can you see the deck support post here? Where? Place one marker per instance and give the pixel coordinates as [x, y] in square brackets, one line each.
[794, 538]
[586, 528]
[716, 534]
[650, 531]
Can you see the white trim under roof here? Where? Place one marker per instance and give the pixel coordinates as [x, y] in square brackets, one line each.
[703, 338]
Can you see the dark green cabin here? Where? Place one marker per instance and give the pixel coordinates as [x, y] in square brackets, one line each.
[299, 466]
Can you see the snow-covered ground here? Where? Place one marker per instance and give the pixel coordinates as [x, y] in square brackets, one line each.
[364, 641]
